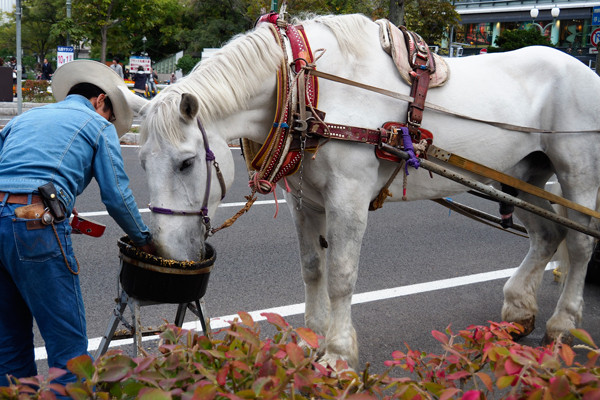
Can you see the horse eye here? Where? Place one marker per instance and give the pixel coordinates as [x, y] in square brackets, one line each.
[186, 164]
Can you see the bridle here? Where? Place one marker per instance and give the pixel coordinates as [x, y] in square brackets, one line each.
[203, 211]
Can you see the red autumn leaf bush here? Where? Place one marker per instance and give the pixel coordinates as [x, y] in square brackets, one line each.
[480, 362]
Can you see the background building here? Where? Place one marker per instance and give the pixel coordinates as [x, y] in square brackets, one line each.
[7, 6]
[568, 24]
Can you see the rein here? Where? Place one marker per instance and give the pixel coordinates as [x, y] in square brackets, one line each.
[312, 71]
[203, 211]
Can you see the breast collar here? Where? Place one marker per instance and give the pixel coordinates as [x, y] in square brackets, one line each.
[276, 159]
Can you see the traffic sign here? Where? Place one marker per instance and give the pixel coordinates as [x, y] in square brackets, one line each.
[596, 16]
[595, 37]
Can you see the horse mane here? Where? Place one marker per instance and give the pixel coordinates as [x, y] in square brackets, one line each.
[225, 82]
[349, 31]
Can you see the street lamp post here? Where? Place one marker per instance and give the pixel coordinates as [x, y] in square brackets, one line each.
[555, 12]
[144, 42]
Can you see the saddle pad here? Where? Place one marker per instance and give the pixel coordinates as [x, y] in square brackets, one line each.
[392, 41]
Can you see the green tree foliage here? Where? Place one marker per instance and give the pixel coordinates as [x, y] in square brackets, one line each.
[215, 21]
[512, 39]
[38, 18]
[187, 63]
[116, 27]
[115, 23]
[432, 19]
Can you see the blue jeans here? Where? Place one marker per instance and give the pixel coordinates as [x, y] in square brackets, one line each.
[36, 283]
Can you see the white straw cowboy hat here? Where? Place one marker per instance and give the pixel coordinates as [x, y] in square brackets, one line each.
[96, 73]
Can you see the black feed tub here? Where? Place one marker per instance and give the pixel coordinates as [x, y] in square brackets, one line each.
[152, 278]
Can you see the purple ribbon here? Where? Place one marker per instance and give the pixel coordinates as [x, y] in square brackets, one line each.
[413, 160]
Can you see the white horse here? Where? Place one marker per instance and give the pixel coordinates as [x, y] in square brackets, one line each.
[234, 95]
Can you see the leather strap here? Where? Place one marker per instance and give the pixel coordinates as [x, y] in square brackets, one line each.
[344, 132]
[482, 170]
[23, 198]
[434, 107]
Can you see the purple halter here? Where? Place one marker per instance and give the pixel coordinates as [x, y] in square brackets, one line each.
[203, 212]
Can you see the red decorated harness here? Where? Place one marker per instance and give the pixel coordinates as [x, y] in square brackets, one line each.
[299, 126]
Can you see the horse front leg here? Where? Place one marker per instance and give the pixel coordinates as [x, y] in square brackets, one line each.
[346, 224]
[310, 223]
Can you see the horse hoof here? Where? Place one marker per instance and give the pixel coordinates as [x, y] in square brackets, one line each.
[565, 338]
[528, 327]
[337, 365]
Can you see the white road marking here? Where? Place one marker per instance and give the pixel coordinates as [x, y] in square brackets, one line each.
[296, 309]
[146, 210]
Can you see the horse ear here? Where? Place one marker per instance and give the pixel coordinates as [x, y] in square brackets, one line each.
[189, 106]
[135, 102]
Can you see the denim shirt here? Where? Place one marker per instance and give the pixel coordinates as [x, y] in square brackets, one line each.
[68, 143]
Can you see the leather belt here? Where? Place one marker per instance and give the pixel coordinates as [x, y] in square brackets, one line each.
[22, 198]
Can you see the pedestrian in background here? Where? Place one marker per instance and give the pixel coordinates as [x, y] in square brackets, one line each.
[47, 70]
[140, 82]
[151, 83]
[115, 66]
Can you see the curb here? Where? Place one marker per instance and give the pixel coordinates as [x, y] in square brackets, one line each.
[10, 108]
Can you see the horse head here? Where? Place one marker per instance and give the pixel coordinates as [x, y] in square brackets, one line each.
[185, 189]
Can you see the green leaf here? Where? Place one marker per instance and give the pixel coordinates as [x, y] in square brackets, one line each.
[154, 394]
[259, 384]
[361, 396]
[505, 381]
[82, 367]
[78, 391]
[205, 392]
[584, 337]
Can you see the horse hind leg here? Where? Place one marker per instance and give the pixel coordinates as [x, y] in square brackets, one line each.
[520, 291]
[569, 308]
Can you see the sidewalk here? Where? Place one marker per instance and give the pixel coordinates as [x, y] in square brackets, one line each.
[10, 108]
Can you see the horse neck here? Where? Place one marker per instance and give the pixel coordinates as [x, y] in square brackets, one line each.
[254, 122]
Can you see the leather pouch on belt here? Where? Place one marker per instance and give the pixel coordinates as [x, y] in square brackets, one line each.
[33, 212]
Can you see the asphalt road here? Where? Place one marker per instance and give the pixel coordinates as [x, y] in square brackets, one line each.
[416, 271]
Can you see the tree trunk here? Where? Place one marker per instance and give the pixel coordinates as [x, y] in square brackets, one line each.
[397, 12]
[104, 39]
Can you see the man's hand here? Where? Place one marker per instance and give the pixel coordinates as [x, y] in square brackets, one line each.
[149, 248]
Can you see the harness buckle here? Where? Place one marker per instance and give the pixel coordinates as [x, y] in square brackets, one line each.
[300, 125]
